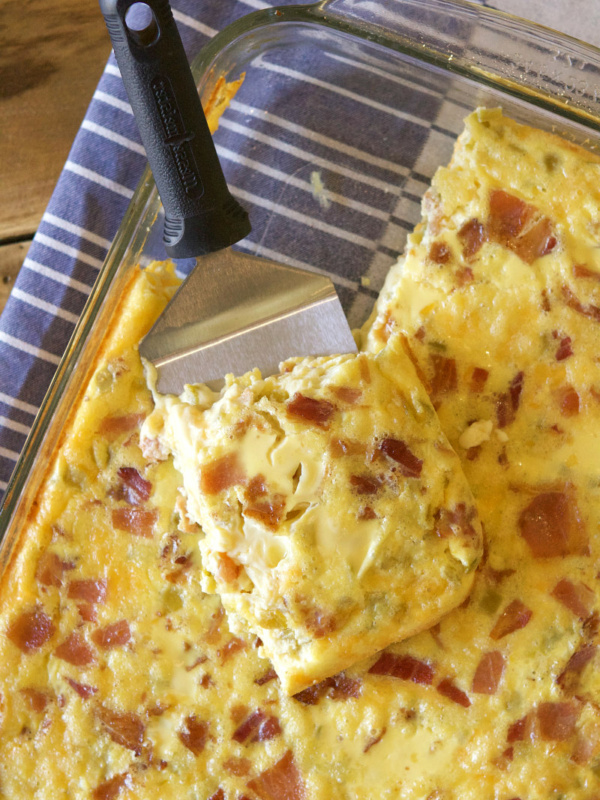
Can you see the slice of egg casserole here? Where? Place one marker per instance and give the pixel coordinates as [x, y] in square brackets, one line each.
[336, 518]
[121, 679]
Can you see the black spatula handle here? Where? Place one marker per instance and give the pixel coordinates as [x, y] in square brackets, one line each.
[201, 215]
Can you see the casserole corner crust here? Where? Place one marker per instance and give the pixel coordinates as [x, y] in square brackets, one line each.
[336, 518]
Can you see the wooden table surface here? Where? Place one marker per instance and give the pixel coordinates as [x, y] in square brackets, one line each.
[52, 53]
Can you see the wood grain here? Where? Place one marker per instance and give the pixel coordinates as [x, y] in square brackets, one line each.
[52, 53]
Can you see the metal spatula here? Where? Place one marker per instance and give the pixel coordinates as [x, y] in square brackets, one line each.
[234, 312]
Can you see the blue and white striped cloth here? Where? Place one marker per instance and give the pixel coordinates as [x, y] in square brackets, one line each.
[275, 162]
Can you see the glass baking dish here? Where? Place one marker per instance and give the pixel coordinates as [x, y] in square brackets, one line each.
[347, 109]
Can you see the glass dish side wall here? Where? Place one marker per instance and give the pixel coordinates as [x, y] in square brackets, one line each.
[407, 49]
[500, 50]
[494, 48]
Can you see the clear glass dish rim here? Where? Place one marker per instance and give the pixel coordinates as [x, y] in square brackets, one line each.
[319, 14]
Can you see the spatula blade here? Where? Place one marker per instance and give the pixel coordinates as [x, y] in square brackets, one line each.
[235, 312]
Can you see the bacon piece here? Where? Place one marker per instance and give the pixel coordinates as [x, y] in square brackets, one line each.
[564, 349]
[488, 673]
[50, 569]
[75, 650]
[218, 795]
[440, 253]
[444, 378]
[311, 695]
[581, 271]
[281, 782]
[365, 484]
[473, 453]
[537, 241]
[522, 729]
[341, 687]
[184, 563]
[514, 390]
[257, 487]
[139, 521]
[31, 630]
[347, 394]
[87, 612]
[591, 625]
[448, 689]
[221, 474]
[573, 302]
[227, 570]
[111, 788]
[88, 590]
[568, 401]
[194, 734]
[198, 662]
[557, 720]
[124, 728]
[136, 489]
[545, 303]
[516, 615]
[552, 526]
[35, 699]
[587, 743]
[115, 635]
[237, 766]
[384, 326]
[568, 680]
[269, 675]
[472, 236]
[414, 361]
[498, 575]
[508, 216]
[410, 465]
[577, 597]
[214, 632]
[269, 511]
[504, 760]
[157, 710]
[317, 412]
[464, 276]
[232, 647]
[404, 667]
[83, 689]
[115, 426]
[258, 727]
[508, 402]
[455, 522]
[479, 377]
[336, 687]
[319, 621]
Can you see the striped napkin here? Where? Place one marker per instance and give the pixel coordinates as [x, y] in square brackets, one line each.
[321, 196]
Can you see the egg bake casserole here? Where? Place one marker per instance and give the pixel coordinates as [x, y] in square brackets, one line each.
[140, 631]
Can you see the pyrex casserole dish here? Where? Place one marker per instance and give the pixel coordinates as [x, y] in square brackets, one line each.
[450, 80]
[458, 55]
